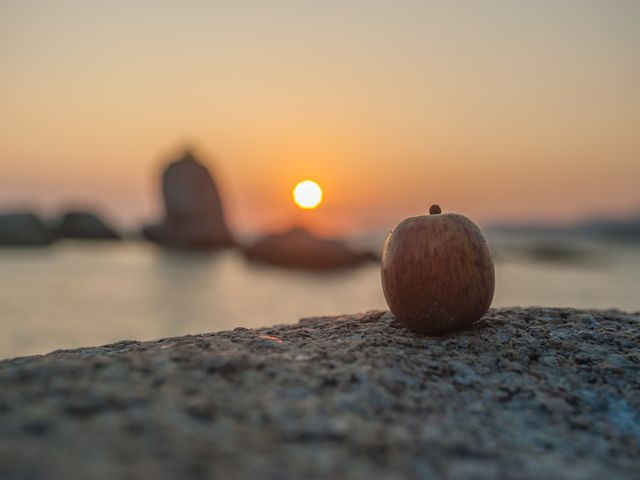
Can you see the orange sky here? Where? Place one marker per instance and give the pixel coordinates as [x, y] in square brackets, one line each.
[499, 110]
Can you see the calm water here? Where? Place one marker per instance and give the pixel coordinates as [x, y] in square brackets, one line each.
[81, 294]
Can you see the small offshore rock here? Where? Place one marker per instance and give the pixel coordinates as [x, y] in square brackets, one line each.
[24, 229]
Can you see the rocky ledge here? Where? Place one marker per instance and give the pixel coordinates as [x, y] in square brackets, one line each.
[527, 393]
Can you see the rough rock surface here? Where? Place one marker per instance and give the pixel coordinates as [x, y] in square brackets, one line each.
[526, 393]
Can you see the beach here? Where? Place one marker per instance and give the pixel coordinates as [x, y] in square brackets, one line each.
[319, 240]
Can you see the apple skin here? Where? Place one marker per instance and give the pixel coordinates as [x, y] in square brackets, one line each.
[437, 273]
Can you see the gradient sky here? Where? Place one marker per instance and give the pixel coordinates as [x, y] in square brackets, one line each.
[506, 110]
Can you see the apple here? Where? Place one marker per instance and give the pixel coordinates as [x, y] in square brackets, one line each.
[437, 272]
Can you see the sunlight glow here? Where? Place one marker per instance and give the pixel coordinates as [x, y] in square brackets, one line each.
[307, 194]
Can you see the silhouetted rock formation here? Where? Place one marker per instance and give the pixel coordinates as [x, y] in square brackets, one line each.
[24, 229]
[298, 248]
[194, 216]
[86, 226]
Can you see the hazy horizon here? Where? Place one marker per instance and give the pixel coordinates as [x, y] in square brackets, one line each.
[500, 110]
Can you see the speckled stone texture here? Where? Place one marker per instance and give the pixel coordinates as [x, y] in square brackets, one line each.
[527, 393]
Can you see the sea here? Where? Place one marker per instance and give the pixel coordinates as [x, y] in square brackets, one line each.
[78, 294]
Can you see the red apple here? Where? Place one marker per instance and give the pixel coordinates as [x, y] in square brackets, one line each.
[437, 272]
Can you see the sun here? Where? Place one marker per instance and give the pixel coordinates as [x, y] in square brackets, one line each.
[307, 194]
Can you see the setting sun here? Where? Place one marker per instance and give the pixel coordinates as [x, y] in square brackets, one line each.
[307, 194]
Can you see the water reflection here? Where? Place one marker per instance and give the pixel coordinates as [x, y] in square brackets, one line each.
[79, 294]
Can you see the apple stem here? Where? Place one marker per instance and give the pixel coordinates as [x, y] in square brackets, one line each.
[435, 210]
